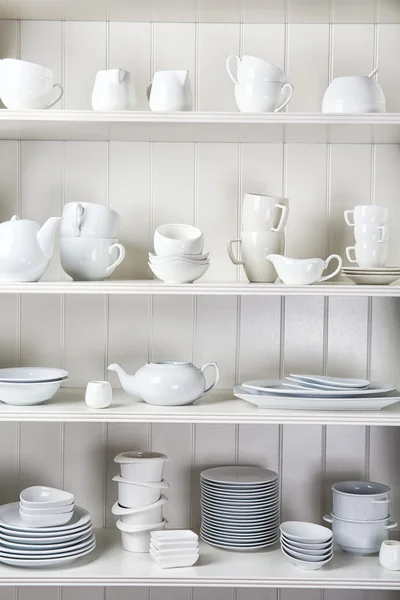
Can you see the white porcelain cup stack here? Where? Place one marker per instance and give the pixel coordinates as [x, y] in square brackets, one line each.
[371, 236]
[140, 500]
[174, 548]
[307, 545]
[178, 256]
[264, 220]
[41, 506]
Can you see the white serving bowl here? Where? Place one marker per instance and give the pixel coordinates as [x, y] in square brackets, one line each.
[137, 494]
[177, 238]
[360, 537]
[28, 394]
[360, 500]
[153, 258]
[137, 539]
[47, 511]
[322, 556]
[305, 551]
[303, 546]
[179, 271]
[32, 375]
[41, 496]
[141, 516]
[173, 562]
[141, 466]
[45, 520]
[309, 533]
[307, 565]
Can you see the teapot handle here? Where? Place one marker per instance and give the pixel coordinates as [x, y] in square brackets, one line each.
[203, 368]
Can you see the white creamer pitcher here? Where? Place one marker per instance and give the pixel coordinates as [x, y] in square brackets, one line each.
[113, 90]
[170, 91]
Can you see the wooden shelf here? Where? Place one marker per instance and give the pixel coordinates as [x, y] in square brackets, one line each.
[199, 126]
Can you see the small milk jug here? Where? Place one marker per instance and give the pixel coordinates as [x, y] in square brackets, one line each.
[170, 91]
[113, 90]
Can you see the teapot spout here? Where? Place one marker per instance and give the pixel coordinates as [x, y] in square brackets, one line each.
[46, 236]
[127, 381]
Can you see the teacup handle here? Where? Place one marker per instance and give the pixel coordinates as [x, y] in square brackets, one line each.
[228, 67]
[284, 217]
[119, 260]
[347, 214]
[230, 251]
[339, 267]
[384, 231]
[79, 215]
[287, 86]
[212, 386]
[59, 97]
[349, 249]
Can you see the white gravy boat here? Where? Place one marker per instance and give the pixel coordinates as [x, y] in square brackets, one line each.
[298, 271]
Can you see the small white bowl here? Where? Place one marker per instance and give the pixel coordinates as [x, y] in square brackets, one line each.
[45, 520]
[57, 510]
[307, 565]
[177, 238]
[304, 550]
[174, 562]
[305, 546]
[41, 496]
[179, 271]
[137, 494]
[141, 516]
[141, 466]
[137, 539]
[193, 257]
[307, 557]
[301, 531]
[28, 394]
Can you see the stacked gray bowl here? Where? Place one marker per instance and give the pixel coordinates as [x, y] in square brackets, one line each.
[360, 517]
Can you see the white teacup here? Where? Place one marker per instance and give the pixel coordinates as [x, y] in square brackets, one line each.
[253, 245]
[26, 86]
[113, 90]
[176, 238]
[251, 68]
[365, 232]
[262, 96]
[98, 394]
[376, 215]
[389, 555]
[264, 213]
[86, 259]
[368, 255]
[89, 220]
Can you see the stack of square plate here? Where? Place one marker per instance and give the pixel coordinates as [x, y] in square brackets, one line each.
[381, 276]
[239, 507]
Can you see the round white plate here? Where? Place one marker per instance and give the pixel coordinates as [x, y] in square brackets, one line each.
[32, 374]
[297, 385]
[242, 532]
[46, 562]
[241, 497]
[275, 386]
[10, 519]
[44, 547]
[232, 525]
[44, 553]
[239, 540]
[35, 538]
[239, 475]
[237, 547]
[341, 382]
[236, 520]
[251, 511]
[239, 537]
[220, 488]
[372, 279]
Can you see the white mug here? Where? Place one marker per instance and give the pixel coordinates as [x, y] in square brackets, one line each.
[389, 555]
[376, 215]
[368, 255]
[268, 96]
[98, 394]
[253, 246]
[264, 213]
[175, 239]
[251, 68]
[170, 91]
[26, 86]
[371, 233]
[89, 220]
[113, 90]
[86, 259]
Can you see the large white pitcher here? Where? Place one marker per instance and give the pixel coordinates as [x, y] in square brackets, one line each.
[170, 91]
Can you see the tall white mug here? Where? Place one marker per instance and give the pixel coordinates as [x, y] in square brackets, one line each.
[254, 245]
[113, 90]
[368, 255]
[264, 213]
[374, 215]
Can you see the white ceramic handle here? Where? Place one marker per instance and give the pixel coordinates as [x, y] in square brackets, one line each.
[212, 386]
[291, 90]
[59, 97]
[328, 518]
[381, 501]
[374, 72]
[283, 219]
[391, 525]
[384, 231]
[230, 251]
[228, 67]
[119, 260]
[79, 216]
[339, 267]
[347, 214]
[348, 251]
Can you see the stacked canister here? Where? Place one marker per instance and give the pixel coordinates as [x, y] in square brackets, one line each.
[140, 498]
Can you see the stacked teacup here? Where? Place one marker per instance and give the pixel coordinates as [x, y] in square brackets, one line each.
[178, 254]
[263, 222]
[140, 503]
[89, 245]
[260, 86]
[371, 235]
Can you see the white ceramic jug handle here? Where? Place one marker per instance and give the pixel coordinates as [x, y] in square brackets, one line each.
[391, 525]
[283, 219]
[383, 229]
[328, 518]
[212, 386]
[59, 97]
[339, 267]
[119, 260]
[347, 214]
[348, 251]
[285, 87]
[374, 72]
[228, 67]
[230, 251]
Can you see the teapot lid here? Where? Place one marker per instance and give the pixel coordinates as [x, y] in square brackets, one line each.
[169, 362]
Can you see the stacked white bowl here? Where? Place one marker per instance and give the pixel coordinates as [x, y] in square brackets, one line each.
[360, 516]
[41, 506]
[178, 254]
[26, 386]
[307, 545]
[174, 548]
[140, 503]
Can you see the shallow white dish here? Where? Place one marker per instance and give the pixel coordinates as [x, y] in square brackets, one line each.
[322, 552]
[305, 545]
[174, 562]
[302, 531]
[372, 279]
[179, 272]
[41, 496]
[308, 557]
[32, 374]
[307, 566]
[45, 551]
[174, 536]
[239, 475]
[45, 520]
[11, 520]
[141, 466]
[47, 562]
[28, 394]
[337, 382]
[275, 386]
[44, 538]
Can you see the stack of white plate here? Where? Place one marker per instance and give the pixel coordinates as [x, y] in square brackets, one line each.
[23, 546]
[378, 276]
[307, 545]
[239, 507]
[317, 392]
[25, 386]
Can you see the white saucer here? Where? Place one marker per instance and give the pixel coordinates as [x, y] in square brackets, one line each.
[372, 279]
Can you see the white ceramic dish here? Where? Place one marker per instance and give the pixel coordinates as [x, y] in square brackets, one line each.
[28, 394]
[242, 487]
[137, 539]
[360, 500]
[306, 546]
[174, 562]
[192, 257]
[46, 552]
[322, 552]
[321, 557]
[11, 520]
[32, 375]
[337, 382]
[47, 511]
[179, 272]
[41, 496]
[46, 562]
[297, 385]
[141, 516]
[174, 536]
[239, 475]
[141, 466]
[360, 537]
[225, 545]
[177, 260]
[137, 494]
[302, 531]
[304, 271]
[372, 279]
[27, 537]
[45, 520]
[178, 550]
[275, 386]
[44, 547]
[307, 565]
[177, 238]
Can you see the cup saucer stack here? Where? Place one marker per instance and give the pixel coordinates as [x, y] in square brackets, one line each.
[174, 548]
[308, 545]
[371, 276]
[239, 507]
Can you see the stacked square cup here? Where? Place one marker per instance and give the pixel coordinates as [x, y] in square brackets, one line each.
[140, 501]
[263, 222]
[371, 235]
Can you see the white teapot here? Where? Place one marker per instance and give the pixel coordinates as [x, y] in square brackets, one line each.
[26, 248]
[167, 383]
